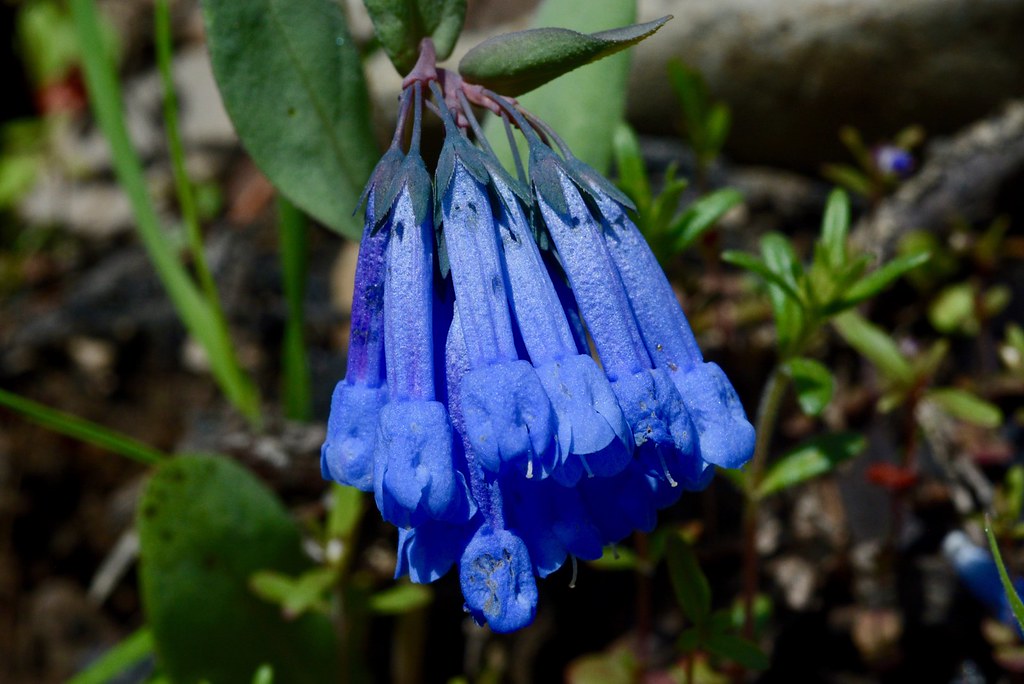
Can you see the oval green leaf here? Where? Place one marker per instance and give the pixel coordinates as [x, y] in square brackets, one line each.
[206, 525]
[813, 384]
[966, 406]
[811, 459]
[516, 63]
[400, 25]
[292, 82]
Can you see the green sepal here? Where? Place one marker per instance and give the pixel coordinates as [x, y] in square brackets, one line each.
[411, 174]
[381, 179]
[516, 63]
[400, 25]
[546, 177]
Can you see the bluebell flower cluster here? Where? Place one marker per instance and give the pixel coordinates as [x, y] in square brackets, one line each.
[472, 406]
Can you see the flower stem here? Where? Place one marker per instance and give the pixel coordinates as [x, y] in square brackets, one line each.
[767, 418]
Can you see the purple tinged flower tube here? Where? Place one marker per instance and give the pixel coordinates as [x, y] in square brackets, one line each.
[415, 479]
[508, 417]
[592, 432]
[347, 453]
[661, 427]
[725, 436]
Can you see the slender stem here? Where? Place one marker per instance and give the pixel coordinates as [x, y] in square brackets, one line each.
[292, 230]
[182, 184]
[643, 605]
[767, 417]
[516, 157]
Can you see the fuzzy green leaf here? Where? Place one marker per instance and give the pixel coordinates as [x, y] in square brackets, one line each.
[292, 81]
[516, 63]
[206, 525]
[400, 25]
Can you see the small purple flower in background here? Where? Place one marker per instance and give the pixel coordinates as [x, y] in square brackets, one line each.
[472, 406]
[893, 161]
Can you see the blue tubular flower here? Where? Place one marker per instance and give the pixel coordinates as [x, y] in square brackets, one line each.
[428, 551]
[508, 417]
[725, 436]
[591, 426]
[414, 475]
[977, 569]
[347, 453]
[661, 426]
[551, 520]
[497, 580]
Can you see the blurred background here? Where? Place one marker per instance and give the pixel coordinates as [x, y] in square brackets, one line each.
[915, 107]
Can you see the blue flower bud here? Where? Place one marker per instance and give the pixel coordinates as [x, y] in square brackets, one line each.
[428, 551]
[497, 580]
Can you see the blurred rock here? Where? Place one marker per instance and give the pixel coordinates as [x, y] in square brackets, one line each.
[794, 71]
[960, 180]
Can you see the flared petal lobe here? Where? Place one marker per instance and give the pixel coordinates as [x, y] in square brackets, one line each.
[497, 581]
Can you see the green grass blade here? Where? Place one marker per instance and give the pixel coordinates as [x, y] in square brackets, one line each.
[199, 318]
[297, 383]
[1011, 593]
[79, 428]
[182, 185]
[130, 651]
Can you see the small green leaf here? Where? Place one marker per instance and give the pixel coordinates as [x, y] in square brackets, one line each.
[835, 224]
[516, 63]
[296, 596]
[690, 640]
[716, 128]
[263, 675]
[400, 25]
[875, 345]
[778, 253]
[401, 598]
[292, 81]
[134, 648]
[755, 265]
[630, 166]
[811, 459]
[206, 525]
[702, 215]
[813, 384]
[966, 406]
[738, 650]
[1011, 593]
[693, 593]
[347, 506]
[849, 177]
[878, 280]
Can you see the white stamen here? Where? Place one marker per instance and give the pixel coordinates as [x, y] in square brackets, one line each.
[664, 468]
[529, 467]
[586, 467]
[572, 582]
